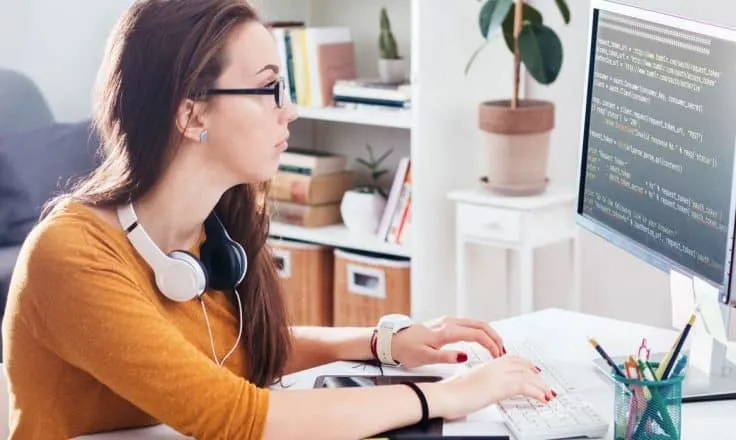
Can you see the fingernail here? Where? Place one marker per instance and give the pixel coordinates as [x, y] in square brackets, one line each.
[546, 398]
[462, 357]
[503, 350]
[539, 370]
[554, 394]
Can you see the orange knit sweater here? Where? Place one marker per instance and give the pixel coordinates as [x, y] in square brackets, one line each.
[90, 345]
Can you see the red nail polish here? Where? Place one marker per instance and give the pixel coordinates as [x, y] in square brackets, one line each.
[462, 357]
[503, 350]
[539, 370]
[554, 394]
[546, 398]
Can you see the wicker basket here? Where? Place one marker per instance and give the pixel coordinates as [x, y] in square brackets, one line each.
[368, 286]
[305, 271]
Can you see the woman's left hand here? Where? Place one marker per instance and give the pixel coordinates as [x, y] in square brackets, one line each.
[421, 344]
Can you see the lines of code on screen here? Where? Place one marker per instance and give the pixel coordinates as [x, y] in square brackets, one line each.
[660, 139]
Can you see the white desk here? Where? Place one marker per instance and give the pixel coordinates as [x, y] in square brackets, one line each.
[565, 333]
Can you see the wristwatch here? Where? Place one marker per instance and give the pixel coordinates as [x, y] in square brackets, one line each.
[387, 327]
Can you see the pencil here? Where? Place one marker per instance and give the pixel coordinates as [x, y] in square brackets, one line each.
[678, 347]
[605, 357]
[680, 338]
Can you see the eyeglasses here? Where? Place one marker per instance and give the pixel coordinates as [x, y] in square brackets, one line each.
[278, 90]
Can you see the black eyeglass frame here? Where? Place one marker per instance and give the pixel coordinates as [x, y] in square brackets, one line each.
[278, 90]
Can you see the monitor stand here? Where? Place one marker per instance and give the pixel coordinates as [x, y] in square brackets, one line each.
[711, 370]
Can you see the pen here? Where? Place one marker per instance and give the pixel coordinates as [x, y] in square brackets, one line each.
[632, 373]
[680, 365]
[678, 347]
[605, 356]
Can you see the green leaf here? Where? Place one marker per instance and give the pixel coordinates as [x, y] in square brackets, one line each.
[529, 15]
[475, 54]
[370, 153]
[364, 162]
[492, 14]
[383, 157]
[540, 49]
[564, 10]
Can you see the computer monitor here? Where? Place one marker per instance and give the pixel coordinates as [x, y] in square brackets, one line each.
[657, 173]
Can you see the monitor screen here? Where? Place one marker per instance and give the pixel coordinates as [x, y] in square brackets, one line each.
[658, 142]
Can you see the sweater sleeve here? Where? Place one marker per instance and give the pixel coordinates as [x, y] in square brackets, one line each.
[87, 308]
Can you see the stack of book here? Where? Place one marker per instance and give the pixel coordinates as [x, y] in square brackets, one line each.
[369, 93]
[313, 59]
[308, 187]
[395, 223]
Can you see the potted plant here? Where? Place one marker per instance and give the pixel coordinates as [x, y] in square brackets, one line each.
[518, 130]
[391, 66]
[361, 207]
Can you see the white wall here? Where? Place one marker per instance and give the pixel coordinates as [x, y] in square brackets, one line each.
[613, 282]
[59, 45]
[446, 142]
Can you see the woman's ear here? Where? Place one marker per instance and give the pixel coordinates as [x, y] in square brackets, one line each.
[191, 119]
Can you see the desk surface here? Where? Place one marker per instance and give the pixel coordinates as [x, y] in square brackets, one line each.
[565, 333]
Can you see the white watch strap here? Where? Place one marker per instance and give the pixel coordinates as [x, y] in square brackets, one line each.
[383, 346]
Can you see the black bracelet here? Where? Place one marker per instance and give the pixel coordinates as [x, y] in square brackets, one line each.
[424, 423]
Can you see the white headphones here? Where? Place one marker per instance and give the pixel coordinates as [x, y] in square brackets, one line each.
[180, 276]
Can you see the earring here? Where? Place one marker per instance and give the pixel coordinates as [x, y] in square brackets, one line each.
[203, 136]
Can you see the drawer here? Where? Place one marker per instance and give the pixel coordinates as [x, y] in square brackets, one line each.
[490, 222]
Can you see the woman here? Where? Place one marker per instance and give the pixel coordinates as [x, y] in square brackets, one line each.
[107, 325]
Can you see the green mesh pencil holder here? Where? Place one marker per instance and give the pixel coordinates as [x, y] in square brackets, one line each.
[647, 410]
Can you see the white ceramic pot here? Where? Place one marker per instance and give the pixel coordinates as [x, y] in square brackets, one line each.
[362, 211]
[392, 71]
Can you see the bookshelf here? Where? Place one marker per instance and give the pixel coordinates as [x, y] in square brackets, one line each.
[347, 131]
[436, 126]
[377, 118]
[440, 132]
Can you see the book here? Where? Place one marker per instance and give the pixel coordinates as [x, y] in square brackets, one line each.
[393, 198]
[401, 211]
[311, 162]
[308, 216]
[372, 89]
[313, 59]
[311, 190]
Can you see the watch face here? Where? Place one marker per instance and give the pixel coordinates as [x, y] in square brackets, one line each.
[395, 321]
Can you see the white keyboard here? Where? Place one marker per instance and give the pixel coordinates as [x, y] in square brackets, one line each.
[528, 350]
[565, 416]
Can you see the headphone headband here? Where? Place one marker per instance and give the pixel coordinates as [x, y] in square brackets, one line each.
[139, 238]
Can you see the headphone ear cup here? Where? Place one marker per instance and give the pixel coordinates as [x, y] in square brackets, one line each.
[238, 262]
[183, 279]
[226, 263]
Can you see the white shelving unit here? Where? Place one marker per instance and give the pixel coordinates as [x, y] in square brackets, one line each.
[346, 131]
[338, 236]
[378, 118]
[440, 133]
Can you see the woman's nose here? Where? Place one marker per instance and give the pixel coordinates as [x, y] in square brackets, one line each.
[290, 111]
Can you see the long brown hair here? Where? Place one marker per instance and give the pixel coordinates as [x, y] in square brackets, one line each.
[161, 52]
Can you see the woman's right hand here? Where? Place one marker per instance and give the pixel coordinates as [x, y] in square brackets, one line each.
[491, 382]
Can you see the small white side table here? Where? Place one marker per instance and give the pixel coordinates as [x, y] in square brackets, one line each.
[519, 224]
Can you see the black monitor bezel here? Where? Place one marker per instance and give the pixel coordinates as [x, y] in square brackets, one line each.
[614, 237]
